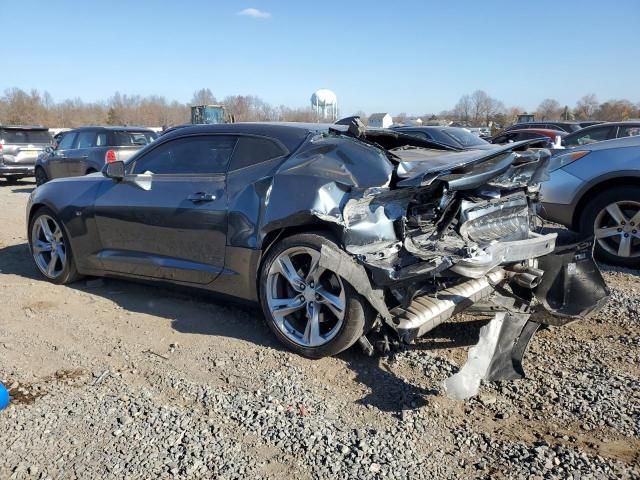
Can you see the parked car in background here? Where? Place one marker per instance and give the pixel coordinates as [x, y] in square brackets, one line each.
[456, 137]
[19, 149]
[85, 150]
[551, 125]
[595, 189]
[588, 123]
[337, 231]
[547, 136]
[602, 131]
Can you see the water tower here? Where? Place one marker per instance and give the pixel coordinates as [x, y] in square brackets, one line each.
[325, 103]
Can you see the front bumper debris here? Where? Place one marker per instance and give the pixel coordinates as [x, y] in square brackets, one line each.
[565, 286]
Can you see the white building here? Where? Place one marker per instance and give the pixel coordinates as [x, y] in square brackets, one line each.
[380, 120]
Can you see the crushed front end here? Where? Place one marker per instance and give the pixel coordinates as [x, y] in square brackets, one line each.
[460, 232]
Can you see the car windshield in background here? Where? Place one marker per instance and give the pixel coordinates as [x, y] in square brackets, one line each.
[11, 135]
[463, 137]
[123, 138]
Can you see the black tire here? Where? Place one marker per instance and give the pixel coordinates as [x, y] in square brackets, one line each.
[12, 179]
[358, 315]
[590, 213]
[41, 176]
[69, 272]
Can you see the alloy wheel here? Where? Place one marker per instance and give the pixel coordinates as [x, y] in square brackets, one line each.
[306, 301]
[48, 246]
[616, 228]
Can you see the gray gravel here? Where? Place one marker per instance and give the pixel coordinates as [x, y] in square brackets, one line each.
[119, 408]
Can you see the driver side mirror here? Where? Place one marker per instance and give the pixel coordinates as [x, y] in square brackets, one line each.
[114, 170]
[49, 150]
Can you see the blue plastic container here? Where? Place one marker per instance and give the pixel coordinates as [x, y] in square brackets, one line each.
[5, 399]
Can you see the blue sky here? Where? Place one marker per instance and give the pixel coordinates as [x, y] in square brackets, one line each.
[397, 56]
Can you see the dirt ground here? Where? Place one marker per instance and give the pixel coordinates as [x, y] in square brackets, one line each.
[53, 338]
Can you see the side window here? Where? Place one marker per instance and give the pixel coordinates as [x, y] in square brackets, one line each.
[593, 135]
[202, 155]
[86, 139]
[421, 134]
[101, 139]
[254, 150]
[67, 141]
[629, 131]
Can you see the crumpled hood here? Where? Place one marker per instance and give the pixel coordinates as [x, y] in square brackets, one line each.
[418, 166]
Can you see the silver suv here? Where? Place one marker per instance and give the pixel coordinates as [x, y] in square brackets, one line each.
[19, 149]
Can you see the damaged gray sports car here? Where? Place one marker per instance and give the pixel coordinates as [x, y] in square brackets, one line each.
[342, 234]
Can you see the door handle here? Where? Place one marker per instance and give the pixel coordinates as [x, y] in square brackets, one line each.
[201, 197]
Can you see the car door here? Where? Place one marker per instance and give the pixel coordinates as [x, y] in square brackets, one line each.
[167, 219]
[56, 161]
[76, 161]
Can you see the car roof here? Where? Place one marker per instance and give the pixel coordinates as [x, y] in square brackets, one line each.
[631, 123]
[428, 127]
[290, 134]
[546, 131]
[110, 128]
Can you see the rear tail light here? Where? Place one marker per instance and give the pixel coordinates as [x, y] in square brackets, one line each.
[110, 156]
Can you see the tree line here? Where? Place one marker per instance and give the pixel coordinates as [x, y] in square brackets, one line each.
[19, 107]
[480, 109]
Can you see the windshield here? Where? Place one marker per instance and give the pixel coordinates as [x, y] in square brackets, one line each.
[462, 137]
[122, 138]
[11, 135]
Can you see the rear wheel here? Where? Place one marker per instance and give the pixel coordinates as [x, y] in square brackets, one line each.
[41, 176]
[312, 310]
[613, 217]
[50, 248]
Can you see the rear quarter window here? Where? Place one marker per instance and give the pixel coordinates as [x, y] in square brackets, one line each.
[131, 138]
[254, 150]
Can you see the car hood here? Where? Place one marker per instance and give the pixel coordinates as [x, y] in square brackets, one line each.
[419, 167]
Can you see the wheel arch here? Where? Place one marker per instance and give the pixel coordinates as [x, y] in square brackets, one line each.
[274, 236]
[593, 190]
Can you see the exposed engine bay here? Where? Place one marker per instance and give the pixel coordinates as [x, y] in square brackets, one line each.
[459, 231]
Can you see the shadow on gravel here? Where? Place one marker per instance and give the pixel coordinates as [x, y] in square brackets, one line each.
[193, 311]
[452, 335]
[23, 190]
[190, 310]
[16, 260]
[389, 393]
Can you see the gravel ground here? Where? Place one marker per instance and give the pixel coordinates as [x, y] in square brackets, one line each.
[118, 380]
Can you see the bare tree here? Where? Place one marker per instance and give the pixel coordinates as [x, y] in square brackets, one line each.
[204, 96]
[549, 109]
[613, 110]
[462, 110]
[480, 104]
[586, 107]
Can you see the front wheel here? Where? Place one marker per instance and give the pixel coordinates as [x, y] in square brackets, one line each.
[41, 176]
[312, 310]
[50, 248]
[613, 218]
